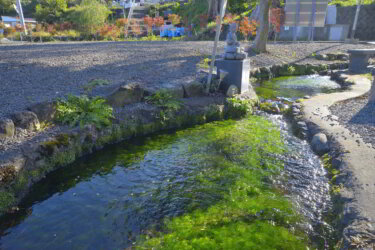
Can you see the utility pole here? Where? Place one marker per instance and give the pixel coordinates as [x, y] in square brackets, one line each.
[218, 29]
[20, 13]
[359, 2]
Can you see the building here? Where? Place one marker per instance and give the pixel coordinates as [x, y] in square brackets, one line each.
[12, 21]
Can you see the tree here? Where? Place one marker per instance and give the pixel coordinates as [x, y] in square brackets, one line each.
[262, 32]
[50, 11]
[223, 7]
[6, 6]
[89, 15]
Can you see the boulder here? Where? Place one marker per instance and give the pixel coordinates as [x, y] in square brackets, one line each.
[193, 89]
[126, 94]
[26, 120]
[319, 144]
[6, 128]
[44, 111]
[232, 91]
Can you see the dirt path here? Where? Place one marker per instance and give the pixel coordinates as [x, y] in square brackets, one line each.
[356, 162]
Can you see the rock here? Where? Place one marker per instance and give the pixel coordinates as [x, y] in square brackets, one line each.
[319, 144]
[372, 94]
[232, 91]
[26, 120]
[321, 57]
[126, 94]
[44, 111]
[241, 56]
[306, 97]
[193, 89]
[275, 108]
[6, 128]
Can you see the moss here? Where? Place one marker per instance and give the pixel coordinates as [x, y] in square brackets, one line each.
[269, 108]
[214, 113]
[332, 173]
[21, 183]
[237, 108]
[63, 139]
[7, 199]
[368, 76]
[249, 214]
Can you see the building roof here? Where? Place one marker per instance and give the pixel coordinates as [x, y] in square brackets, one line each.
[16, 19]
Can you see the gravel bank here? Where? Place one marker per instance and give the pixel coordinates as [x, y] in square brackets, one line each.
[33, 73]
[357, 116]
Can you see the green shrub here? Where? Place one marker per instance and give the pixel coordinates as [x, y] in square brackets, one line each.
[83, 110]
[166, 102]
[238, 108]
[291, 70]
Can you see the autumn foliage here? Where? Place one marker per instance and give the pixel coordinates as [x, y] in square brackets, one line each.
[248, 27]
[276, 18]
[174, 19]
[159, 21]
[121, 22]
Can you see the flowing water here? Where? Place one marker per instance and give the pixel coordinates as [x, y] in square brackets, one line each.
[122, 195]
[296, 87]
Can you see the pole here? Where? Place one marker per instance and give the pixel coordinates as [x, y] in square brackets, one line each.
[19, 7]
[218, 29]
[356, 19]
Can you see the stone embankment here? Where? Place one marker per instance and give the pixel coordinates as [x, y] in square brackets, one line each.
[354, 160]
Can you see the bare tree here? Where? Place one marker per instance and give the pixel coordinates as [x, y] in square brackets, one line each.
[262, 32]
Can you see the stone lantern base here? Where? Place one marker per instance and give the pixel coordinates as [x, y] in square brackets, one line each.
[237, 72]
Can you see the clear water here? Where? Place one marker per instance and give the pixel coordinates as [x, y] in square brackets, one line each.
[295, 87]
[107, 200]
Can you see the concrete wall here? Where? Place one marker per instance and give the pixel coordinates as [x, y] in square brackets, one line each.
[366, 20]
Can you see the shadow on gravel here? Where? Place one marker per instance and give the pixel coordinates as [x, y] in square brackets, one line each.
[366, 116]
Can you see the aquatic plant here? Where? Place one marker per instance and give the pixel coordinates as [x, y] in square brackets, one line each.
[248, 212]
[83, 110]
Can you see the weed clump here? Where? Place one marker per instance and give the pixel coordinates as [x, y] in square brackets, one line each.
[82, 110]
[166, 102]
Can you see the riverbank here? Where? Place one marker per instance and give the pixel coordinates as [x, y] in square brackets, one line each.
[352, 158]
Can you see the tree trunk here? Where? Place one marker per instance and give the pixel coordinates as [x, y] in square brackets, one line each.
[223, 6]
[262, 32]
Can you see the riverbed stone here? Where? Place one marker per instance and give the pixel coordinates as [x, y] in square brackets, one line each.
[6, 128]
[126, 94]
[45, 111]
[27, 120]
[319, 144]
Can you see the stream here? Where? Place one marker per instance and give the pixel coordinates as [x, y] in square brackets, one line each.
[249, 177]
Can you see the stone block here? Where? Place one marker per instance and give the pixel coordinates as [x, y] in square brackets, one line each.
[238, 74]
[193, 89]
[44, 111]
[6, 128]
[126, 94]
[26, 120]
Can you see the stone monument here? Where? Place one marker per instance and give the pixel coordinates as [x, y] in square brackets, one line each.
[233, 50]
[235, 64]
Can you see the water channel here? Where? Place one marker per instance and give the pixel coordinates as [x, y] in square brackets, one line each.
[246, 184]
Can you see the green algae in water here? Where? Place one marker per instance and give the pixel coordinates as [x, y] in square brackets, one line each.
[206, 187]
[250, 214]
[296, 86]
